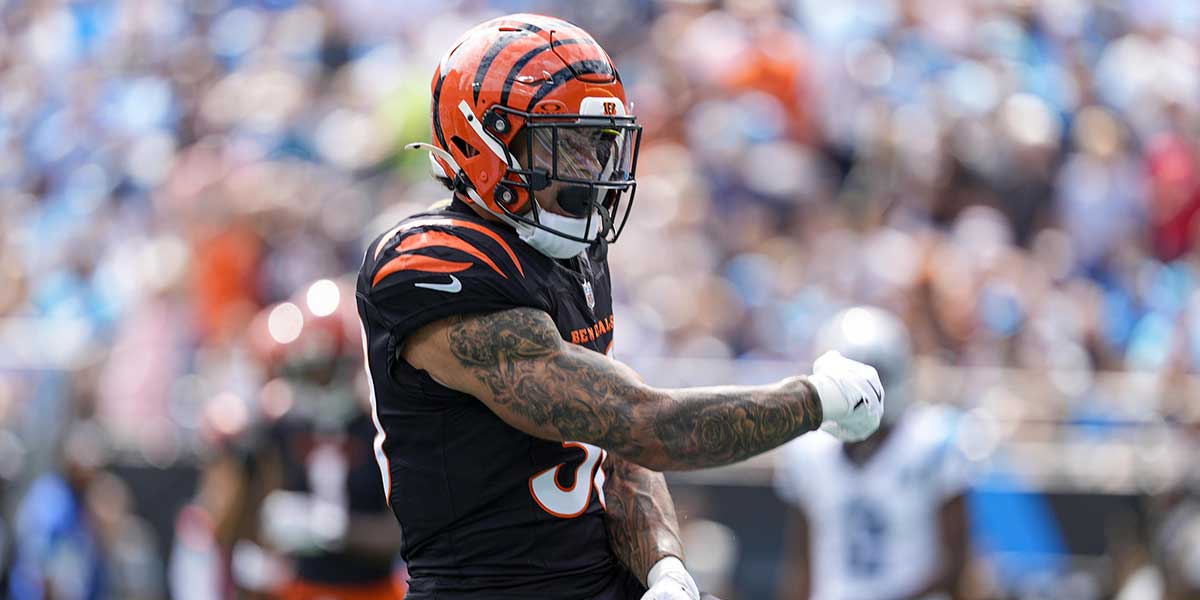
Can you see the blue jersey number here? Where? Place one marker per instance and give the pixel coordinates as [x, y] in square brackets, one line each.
[864, 548]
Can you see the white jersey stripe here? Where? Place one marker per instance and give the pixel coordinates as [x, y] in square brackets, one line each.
[380, 458]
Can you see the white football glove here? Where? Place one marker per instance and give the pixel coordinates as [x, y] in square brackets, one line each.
[300, 523]
[669, 580]
[851, 396]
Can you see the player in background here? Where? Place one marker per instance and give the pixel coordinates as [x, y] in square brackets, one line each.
[519, 459]
[1172, 571]
[323, 507]
[289, 504]
[884, 518]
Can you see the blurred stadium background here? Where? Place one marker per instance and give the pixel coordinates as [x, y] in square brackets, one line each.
[1019, 179]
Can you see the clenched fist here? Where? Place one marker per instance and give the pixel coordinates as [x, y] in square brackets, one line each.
[851, 396]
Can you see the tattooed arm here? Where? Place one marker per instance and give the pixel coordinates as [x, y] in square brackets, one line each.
[640, 516]
[516, 363]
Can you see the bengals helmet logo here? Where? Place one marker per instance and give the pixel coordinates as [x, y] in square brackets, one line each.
[610, 109]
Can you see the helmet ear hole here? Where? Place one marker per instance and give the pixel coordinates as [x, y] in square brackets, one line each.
[464, 146]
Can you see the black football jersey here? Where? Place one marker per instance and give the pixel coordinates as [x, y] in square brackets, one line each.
[486, 510]
[300, 440]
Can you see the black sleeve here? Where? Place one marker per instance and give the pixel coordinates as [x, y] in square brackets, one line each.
[422, 276]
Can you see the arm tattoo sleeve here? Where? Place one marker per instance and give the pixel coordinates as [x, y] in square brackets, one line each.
[640, 515]
[572, 393]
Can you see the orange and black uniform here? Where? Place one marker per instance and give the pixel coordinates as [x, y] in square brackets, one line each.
[334, 574]
[486, 510]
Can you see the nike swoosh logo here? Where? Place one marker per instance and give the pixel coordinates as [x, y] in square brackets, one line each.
[878, 392]
[453, 287]
[861, 401]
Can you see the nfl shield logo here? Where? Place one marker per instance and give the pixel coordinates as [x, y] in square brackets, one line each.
[587, 294]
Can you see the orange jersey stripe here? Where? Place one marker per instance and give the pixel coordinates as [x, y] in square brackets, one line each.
[427, 239]
[448, 221]
[419, 262]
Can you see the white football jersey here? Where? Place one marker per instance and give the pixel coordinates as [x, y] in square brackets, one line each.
[874, 528]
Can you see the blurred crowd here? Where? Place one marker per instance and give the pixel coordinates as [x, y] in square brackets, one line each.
[1019, 179]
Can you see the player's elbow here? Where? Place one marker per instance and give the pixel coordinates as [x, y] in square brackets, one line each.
[650, 459]
[660, 462]
[646, 446]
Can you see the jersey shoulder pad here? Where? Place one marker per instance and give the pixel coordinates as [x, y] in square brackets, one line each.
[928, 429]
[435, 265]
[934, 449]
[441, 243]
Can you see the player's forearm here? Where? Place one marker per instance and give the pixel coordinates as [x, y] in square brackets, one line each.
[944, 584]
[706, 427]
[516, 362]
[598, 401]
[640, 515]
[946, 581]
[954, 533]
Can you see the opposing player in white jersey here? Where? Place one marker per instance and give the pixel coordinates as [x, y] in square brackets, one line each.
[884, 518]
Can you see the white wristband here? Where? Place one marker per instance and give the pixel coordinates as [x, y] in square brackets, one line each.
[833, 400]
[672, 569]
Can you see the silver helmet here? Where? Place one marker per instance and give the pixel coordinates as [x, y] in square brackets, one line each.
[878, 338]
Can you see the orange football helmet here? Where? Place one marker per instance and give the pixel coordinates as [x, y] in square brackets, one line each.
[310, 335]
[544, 84]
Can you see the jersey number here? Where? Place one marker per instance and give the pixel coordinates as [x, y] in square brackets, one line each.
[568, 503]
[867, 530]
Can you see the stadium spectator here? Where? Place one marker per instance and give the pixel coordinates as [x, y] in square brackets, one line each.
[1020, 181]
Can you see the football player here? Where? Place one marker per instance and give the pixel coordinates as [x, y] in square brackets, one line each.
[322, 505]
[882, 518]
[519, 459]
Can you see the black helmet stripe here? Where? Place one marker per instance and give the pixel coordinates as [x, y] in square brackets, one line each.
[583, 67]
[502, 42]
[526, 58]
[437, 120]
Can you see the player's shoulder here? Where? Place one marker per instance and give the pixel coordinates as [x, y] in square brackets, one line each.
[929, 436]
[445, 241]
[804, 468]
[445, 262]
[935, 453]
[930, 426]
